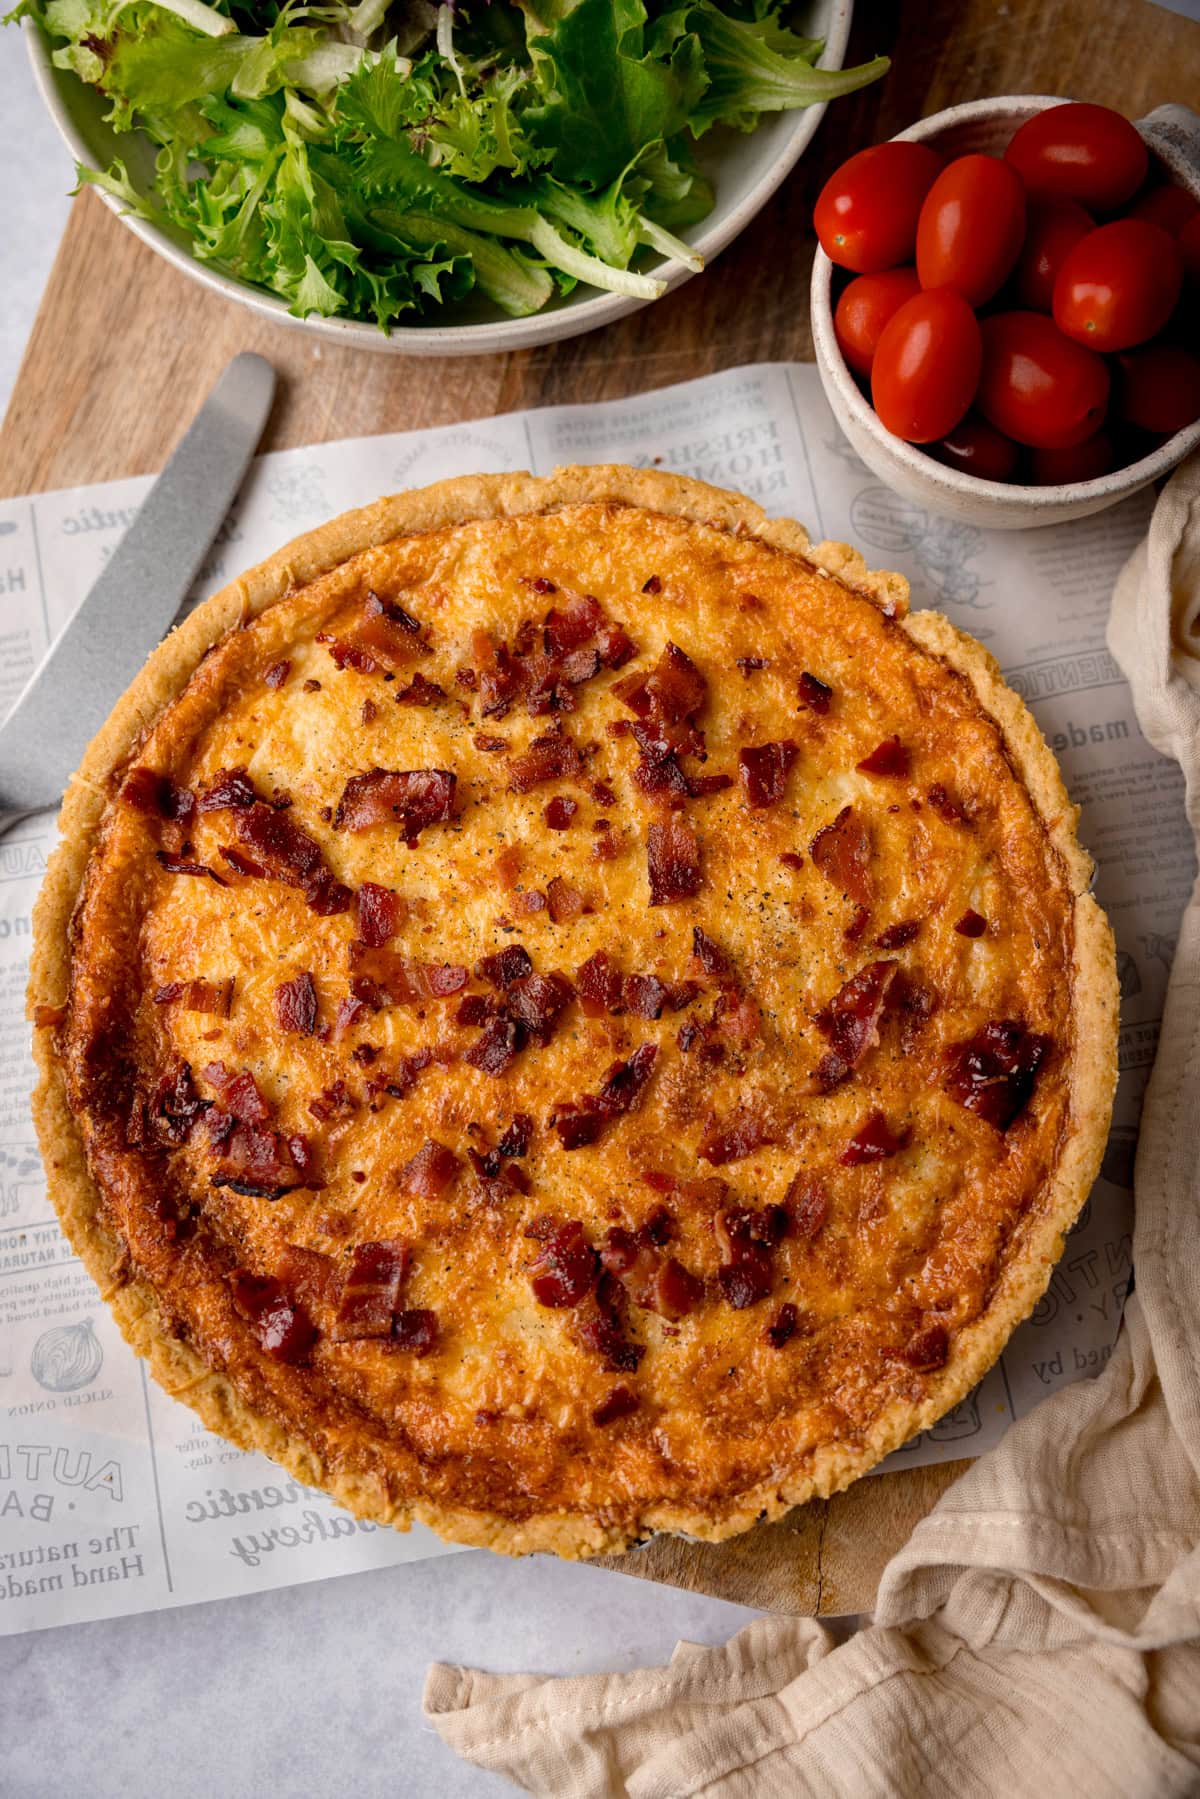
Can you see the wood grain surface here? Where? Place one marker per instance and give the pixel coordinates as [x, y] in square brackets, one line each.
[125, 348]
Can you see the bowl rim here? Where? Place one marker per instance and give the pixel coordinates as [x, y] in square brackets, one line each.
[1117, 483]
[487, 336]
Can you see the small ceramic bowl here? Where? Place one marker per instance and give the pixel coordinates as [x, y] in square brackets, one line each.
[1173, 135]
[745, 169]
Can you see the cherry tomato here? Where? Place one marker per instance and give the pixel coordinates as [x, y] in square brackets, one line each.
[976, 448]
[1168, 206]
[1076, 462]
[926, 366]
[971, 226]
[1189, 249]
[1080, 152]
[1118, 286]
[865, 308]
[1037, 386]
[1158, 388]
[866, 215]
[1053, 227]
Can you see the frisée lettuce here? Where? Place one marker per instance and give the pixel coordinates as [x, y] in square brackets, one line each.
[376, 159]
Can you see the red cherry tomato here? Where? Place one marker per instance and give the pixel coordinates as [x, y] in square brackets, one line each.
[976, 448]
[1076, 462]
[926, 366]
[1189, 249]
[865, 308]
[1118, 286]
[866, 215]
[1168, 206]
[1158, 388]
[1080, 152]
[1037, 386]
[971, 226]
[1053, 227]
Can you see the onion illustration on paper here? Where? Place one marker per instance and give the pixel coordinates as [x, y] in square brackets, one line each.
[67, 1357]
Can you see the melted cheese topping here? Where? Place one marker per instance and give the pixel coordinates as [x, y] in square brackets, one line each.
[501, 1417]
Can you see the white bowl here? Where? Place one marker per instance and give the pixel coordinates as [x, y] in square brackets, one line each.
[745, 171]
[1173, 135]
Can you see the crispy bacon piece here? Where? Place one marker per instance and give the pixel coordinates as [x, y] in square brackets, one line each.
[388, 633]
[890, 759]
[310, 1275]
[536, 1002]
[564, 900]
[928, 1350]
[625, 1083]
[672, 861]
[412, 798]
[566, 1266]
[763, 771]
[711, 957]
[807, 1205]
[334, 1101]
[243, 865]
[420, 692]
[371, 1290]
[971, 924]
[745, 1133]
[656, 1282]
[850, 1022]
[350, 1009]
[380, 912]
[505, 966]
[600, 1326]
[475, 1010]
[620, 1403]
[993, 1073]
[496, 1047]
[283, 851]
[516, 1139]
[498, 1180]
[296, 1005]
[213, 998]
[237, 1092]
[747, 1239]
[783, 1326]
[581, 1122]
[914, 1005]
[946, 806]
[277, 674]
[180, 865]
[157, 795]
[897, 935]
[842, 852]
[873, 1141]
[348, 655]
[416, 1331]
[574, 626]
[429, 1173]
[231, 791]
[813, 693]
[791, 859]
[255, 1162]
[673, 691]
[552, 757]
[399, 981]
[600, 986]
[559, 812]
[491, 746]
[281, 1324]
[173, 1107]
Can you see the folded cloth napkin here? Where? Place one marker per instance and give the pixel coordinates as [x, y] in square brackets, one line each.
[1040, 1632]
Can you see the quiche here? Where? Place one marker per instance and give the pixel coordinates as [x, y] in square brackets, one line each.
[565, 1012]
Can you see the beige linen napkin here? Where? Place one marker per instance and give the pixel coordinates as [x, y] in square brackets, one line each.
[1040, 1632]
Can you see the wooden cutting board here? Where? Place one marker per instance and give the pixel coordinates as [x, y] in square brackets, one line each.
[124, 350]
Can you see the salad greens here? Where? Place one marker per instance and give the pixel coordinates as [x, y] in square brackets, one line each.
[376, 158]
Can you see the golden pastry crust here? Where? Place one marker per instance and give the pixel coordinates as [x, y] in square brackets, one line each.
[807, 1213]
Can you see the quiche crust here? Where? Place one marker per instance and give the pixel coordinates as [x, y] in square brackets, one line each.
[1076, 1086]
